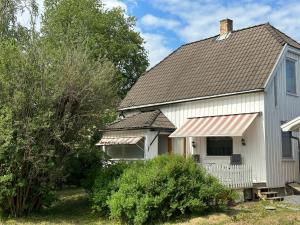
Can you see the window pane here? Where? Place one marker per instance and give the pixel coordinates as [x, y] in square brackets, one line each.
[219, 146]
[287, 145]
[125, 151]
[290, 76]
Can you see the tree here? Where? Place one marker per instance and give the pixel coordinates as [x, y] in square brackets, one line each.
[57, 90]
[47, 112]
[107, 33]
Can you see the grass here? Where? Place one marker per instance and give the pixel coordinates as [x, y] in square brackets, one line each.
[73, 208]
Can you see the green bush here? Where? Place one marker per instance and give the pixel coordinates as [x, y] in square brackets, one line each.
[164, 188]
[104, 185]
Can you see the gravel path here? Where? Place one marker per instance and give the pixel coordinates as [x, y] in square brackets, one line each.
[292, 199]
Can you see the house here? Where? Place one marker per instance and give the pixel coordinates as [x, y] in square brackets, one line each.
[221, 100]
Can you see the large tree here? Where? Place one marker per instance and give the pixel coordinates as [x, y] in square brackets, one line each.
[47, 113]
[106, 33]
[57, 89]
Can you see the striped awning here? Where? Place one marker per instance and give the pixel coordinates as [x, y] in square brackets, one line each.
[227, 125]
[119, 141]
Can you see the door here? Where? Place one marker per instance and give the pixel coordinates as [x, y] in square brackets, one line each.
[170, 147]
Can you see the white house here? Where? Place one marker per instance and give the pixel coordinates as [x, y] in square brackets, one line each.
[222, 100]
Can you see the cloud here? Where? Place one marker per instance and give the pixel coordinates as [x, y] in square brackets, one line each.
[109, 4]
[155, 22]
[201, 17]
[156, 47]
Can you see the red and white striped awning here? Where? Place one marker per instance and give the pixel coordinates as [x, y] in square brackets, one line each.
[229, 125]
[119, 141]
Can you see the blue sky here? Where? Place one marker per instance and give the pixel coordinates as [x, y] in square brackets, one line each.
[166, 24]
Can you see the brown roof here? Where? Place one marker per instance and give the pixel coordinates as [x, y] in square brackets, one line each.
[242, 62]
[144, 120]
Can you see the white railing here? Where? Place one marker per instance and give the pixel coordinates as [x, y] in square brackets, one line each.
[232, 176]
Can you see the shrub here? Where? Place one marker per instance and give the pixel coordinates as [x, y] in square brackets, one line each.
[104, 185]
[164, 188]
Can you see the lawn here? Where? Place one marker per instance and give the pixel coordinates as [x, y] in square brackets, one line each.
[73, 208]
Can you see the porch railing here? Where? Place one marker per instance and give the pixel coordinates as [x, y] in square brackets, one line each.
[232, 176]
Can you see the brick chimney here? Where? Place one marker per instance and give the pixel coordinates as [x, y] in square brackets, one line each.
[226, 26]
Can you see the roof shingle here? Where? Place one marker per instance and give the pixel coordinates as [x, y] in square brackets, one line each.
[242, 62]
[144, 120]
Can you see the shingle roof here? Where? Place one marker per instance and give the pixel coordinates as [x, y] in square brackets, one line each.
[242, 62]
[144, 120]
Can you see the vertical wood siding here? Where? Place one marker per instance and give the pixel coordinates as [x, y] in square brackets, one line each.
[253, 153]
[281, 171]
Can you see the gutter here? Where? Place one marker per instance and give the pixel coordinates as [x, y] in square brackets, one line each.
[192, 99]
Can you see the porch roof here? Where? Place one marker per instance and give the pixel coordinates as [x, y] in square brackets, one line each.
[293, 125]
[225, 125]
[119, 141]
[143, 120]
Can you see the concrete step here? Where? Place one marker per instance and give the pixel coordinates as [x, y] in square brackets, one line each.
[267, 193]
[275, 198]
[261, 188]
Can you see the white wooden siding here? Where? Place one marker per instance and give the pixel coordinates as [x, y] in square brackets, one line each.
[281, 171]
[253, 153]
[245, 103]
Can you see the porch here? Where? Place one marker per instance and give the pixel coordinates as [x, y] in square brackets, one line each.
[229, 155]
[232, 176]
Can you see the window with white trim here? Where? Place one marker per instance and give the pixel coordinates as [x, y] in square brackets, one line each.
[286, 141]
[291, 76]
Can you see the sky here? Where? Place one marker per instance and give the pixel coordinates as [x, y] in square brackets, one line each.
[167, 24]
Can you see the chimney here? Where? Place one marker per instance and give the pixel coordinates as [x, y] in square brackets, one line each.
[226, 26]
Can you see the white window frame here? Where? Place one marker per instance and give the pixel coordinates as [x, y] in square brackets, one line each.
[296, 72]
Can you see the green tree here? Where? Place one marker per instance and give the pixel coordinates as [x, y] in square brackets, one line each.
[106, 33]
[57, 90]
[47, 112]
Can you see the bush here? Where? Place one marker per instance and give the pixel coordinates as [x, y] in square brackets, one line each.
[104, 185]
[164, 188]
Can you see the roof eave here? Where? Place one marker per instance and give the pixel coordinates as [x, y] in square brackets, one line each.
[191, 99]
[139, 128]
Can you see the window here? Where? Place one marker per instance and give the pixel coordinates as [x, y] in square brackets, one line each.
[287, 151]
[219, 146]
[275, 91]
[291, 76]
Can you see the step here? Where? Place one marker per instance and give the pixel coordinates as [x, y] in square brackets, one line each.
[269, 192]
[261, 188]
[275, 198]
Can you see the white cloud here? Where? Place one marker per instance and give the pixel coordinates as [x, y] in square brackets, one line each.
[156, 46]
[109, 4]
[201, 17]
[155, 22]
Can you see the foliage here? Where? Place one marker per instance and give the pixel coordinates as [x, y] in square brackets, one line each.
[56, 92]
[164, 188]
[104, 185]
[106, 33]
